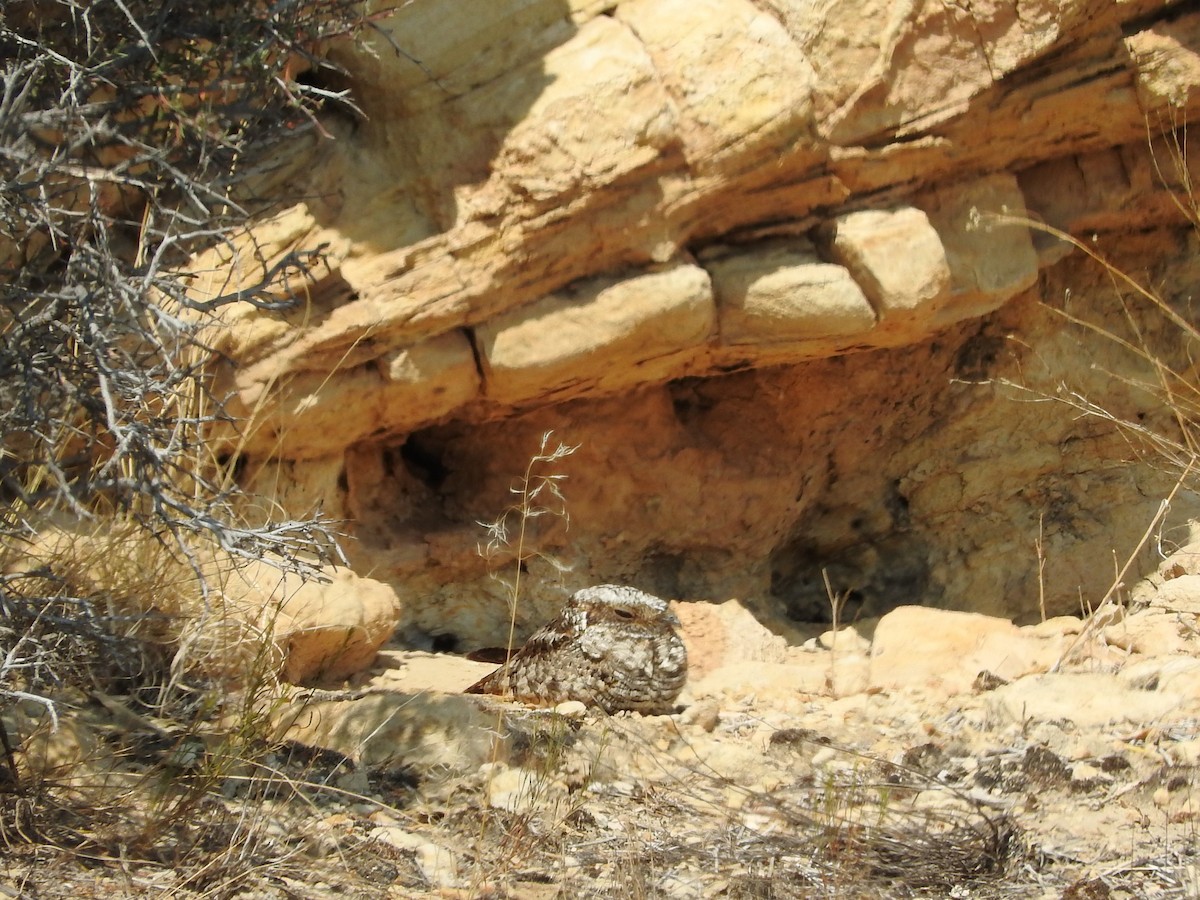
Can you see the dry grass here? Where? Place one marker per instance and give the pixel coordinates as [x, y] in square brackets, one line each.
[1155, 336]
[511, 539]
[659, 819]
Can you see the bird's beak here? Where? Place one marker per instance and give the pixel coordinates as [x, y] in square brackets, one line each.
[672, 618]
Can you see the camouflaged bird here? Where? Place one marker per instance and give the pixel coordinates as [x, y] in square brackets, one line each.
[612, 646]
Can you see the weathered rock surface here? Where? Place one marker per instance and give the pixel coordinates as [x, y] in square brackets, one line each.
[603, 335]
[324, 630]
[941, 652]
[1062, 731]
[671, 232]
[1076, 766]
[251, 623]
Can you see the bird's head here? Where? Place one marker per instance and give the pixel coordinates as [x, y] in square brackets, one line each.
[618, 603]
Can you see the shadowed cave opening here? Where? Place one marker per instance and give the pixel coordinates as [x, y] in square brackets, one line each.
[423, 456]
[867, 580]
[447, 476]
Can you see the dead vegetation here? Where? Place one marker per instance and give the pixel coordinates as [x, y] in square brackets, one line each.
[132, 134]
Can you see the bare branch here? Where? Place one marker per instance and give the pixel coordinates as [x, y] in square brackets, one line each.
[127, 131]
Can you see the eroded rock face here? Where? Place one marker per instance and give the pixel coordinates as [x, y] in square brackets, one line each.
[762, 261]
[248, 624]
[599, 336]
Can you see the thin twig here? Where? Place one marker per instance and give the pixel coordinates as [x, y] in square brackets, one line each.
[1095, 621]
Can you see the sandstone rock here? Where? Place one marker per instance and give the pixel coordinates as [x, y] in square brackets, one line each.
[602, 115]
[519, 790]
[329, 631]
[413, 671]
[785, 686]
[1101, 191]
[426, 730]
[1184, 561]
[989, 262]
[1166, 60]
[740, 82]
[899, 261]
[1184, 753]
[255, 622]
[1157, 631]
[724, 634]
[315, 413]
[438, 865]
[943, 651]
[299, 484]
[1055, 626]
[244, 263]
[786, 294]
[460, 50]
[1180, 594]
[865, 90]
[732, 658]
[1085, 699]
[844, 640]
[537, 188]
[571, 709]
[318, 630]
[604, 335]
[1169, 673]
[705, 715]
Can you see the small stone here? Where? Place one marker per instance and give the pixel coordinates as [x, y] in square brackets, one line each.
[520, 790]
[705, 715]
[844, 639]
[438, 865]
[1045, 767]
[1184, 753]
[824, 757]
[987, 681]
[1114, 763]
[571, 709]
[395, 836]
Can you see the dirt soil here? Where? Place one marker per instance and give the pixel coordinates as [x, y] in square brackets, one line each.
[936, 754]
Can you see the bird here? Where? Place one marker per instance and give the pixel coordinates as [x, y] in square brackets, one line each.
[611, 646]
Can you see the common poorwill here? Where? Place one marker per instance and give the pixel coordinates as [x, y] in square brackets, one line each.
[612, 646]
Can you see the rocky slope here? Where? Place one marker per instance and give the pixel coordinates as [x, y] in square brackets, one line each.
[747, 257]
[933, 754]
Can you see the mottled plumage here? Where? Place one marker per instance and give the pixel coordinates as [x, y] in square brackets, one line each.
[611, 646]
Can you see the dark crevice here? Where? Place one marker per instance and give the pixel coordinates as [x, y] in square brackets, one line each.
[1149, 20]
[424, 461]
[477, 355]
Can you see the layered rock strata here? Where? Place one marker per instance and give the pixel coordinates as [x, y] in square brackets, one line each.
[671, 232]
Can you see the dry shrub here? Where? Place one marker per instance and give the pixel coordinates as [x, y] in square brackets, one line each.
[134, 134]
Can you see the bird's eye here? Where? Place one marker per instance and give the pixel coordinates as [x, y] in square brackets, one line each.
[623, 613]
